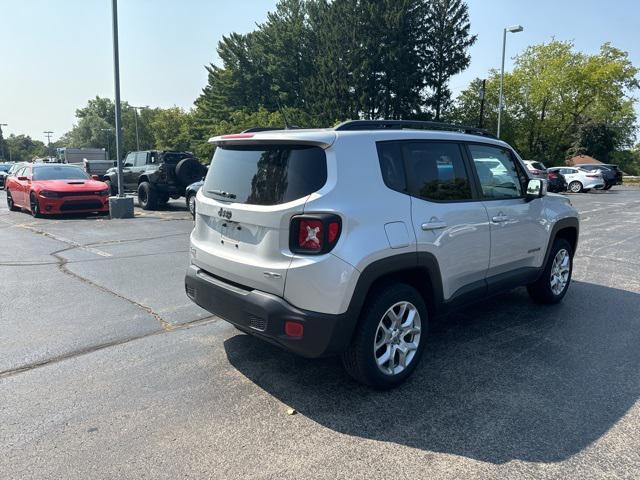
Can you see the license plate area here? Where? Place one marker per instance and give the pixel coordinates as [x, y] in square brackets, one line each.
[227, 232]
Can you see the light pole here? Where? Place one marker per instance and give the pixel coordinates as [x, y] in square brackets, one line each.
[512, 29]
[120, 206]
[108, 130]
[48, 134]
[135, 117]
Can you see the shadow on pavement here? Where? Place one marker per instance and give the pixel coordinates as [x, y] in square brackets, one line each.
[503, 380]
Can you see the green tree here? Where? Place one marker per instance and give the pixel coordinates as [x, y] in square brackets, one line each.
[340, 59]
[551, 92]
[96, 127]
[171, 129]
[24, 148]
[444, 47]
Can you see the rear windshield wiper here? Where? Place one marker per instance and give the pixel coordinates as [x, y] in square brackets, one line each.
[222, 193]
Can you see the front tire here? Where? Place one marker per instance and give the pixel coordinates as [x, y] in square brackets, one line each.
[147, 196]
[554, 282]
[390, 337]
[10, 204]
[575, 187]
[112, 190]
[34, 206]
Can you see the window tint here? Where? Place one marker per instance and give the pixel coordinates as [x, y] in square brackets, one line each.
[130, 160]
[500, 181]
[265, 175]
[435, 171]
[58, 172]
[537, 165]
[391, 165]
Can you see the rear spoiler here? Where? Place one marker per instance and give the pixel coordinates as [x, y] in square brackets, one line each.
[319, 138]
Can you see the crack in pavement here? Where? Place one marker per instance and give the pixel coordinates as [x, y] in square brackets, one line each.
[62, 265]
[85, 351]
[88, 260]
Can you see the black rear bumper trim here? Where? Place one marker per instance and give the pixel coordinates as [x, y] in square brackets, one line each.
[263, 315]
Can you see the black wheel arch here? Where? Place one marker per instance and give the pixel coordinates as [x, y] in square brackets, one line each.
[567, 228]
[417, 269]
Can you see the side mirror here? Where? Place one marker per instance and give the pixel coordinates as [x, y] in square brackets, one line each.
[536, 188]
[95, 177]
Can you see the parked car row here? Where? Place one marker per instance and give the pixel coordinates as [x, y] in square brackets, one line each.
[577, 179]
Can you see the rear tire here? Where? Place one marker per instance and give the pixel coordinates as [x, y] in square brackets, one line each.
[189, 170]
[546, 289]
[607, 187]
[147, 196]
[191, 205]
[378, 337]
[575, 187]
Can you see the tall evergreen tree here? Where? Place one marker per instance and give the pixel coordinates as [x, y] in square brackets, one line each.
[444, 47]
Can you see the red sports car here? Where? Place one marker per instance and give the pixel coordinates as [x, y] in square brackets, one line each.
[45, 188]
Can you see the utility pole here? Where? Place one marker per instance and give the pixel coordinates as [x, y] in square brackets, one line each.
[108, 130]
[482, 95]
[48, 134]
[513, 29]
[120, 206]
[8, 147]
[135, 117]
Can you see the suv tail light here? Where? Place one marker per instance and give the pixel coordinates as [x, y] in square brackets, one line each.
[553, 175]
[314, 234]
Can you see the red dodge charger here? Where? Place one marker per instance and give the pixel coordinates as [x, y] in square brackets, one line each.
[45, 188]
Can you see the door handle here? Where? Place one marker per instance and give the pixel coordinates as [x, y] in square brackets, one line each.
[433, 225]
[500, 218]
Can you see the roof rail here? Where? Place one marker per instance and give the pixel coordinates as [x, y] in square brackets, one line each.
[410, 124]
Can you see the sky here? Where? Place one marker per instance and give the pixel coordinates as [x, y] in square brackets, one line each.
[57, 54]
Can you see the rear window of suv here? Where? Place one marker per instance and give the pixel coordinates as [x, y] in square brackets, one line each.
[265, 174]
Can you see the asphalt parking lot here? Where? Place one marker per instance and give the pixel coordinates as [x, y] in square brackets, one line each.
[107, 370]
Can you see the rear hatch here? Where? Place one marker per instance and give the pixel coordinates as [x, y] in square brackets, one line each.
[245, 207]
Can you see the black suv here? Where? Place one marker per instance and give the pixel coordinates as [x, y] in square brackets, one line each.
[157, 176]
[610, 173]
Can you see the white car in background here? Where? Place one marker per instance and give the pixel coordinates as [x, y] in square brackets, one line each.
[537, 169]
[579, 180]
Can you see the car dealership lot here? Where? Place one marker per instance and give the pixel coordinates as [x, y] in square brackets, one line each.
[108, 370]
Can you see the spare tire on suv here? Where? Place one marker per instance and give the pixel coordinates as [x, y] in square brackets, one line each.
[189, 170]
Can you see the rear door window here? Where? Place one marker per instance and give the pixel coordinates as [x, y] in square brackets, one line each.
[436, 171]
[265, 174]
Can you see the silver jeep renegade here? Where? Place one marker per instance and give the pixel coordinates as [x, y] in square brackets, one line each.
[347, 241]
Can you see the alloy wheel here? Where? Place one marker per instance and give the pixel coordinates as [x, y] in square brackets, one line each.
[397, 338]
[560, 270]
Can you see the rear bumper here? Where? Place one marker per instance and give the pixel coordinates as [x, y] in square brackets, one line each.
[263, 315]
